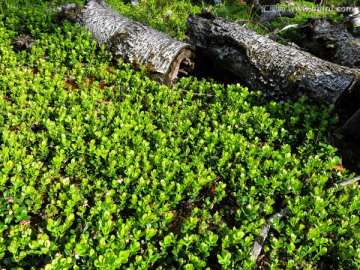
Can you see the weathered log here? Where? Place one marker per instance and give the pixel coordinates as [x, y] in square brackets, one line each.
[331, 41]
[268, 12]
[133, 41]
[281, 72]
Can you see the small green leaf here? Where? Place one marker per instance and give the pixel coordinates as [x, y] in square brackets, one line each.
[224, 258]
[124, 256]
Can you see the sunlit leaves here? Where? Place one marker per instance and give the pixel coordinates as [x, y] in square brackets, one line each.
[100, 166]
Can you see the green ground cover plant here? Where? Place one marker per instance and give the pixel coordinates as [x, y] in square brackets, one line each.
[102, 168]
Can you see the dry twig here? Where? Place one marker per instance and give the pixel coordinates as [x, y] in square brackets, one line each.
[260, 239]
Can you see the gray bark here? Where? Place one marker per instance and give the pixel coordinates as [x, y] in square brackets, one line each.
[328, 40]
[133, 41]
[281, 72]
[260, 239]
[348, 182]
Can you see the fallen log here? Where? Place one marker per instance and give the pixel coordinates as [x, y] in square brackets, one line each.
[281, 72]
[167, 59]
[331, 41]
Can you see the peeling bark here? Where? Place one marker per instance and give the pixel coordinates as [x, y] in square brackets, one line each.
[134, 42]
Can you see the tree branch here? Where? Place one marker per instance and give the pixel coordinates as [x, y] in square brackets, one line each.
[260, 239]
[348, 182]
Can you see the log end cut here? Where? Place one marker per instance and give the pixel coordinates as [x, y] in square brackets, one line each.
[182, 65]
